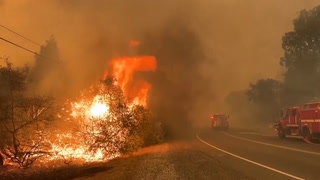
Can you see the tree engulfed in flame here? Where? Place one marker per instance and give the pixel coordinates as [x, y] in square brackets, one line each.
[98, 109]
[124, 68]
[105, 121]
[108, 119]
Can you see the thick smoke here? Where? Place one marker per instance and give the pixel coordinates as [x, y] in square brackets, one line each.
[178, 84]
[205, 49]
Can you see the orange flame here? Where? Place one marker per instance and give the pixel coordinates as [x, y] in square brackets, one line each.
[123, 70]
[134, 43]
[86, 113]
[93, 111]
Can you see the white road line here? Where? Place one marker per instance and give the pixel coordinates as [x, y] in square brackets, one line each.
[309, 142]
[253, 162]
[273, 145]
[258, 134]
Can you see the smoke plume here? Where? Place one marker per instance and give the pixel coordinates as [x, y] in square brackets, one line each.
[205, 49]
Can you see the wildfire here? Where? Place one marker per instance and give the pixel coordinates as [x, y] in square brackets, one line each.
[105, 121]
[70, 152]
[134, 43]
[94, 117]
[98, 108]
[124, 69]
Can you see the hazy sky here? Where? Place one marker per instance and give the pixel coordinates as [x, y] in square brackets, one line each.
[242, 38]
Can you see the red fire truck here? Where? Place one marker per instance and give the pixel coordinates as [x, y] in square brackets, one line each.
[301, 121]
[219, 121]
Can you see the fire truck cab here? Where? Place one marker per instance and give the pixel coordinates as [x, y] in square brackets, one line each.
[220, 121]
[301, 121]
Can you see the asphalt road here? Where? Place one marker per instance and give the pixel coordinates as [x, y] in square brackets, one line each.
[262, 156]
[234, 154]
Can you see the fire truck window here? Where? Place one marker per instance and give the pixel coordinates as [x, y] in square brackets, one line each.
[294, 112]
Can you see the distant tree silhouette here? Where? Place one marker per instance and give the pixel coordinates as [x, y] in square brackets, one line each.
[47, 60]
[48, 74]
[302, 58]
[266, 95]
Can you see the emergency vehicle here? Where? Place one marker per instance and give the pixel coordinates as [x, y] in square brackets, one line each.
[219, 121]
[301, 121]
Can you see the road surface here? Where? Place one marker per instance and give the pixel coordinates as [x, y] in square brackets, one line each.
[234, 154]
[271, 158]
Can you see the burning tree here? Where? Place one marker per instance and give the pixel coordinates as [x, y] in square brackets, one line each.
[103, 122]
[108, 119]
[23, 118]
[115, 123]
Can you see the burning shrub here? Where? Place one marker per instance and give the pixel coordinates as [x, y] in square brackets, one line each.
[106, 120]
[104, 124]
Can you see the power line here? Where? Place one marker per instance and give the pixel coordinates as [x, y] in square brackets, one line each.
[20, 35]
[17, 45]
